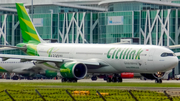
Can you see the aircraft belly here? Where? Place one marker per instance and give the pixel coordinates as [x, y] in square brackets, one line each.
[129, 65]
[106, 69]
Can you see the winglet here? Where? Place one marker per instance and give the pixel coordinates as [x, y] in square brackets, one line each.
[29, 32]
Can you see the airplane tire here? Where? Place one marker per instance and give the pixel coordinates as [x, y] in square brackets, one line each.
[93, 78]
[119, 79]
[30, 78]
[15, 77]
[105, 78]
[109, 80]
[158, 80]
[63, 80]
[114, 79]
[68, 80]
[74, 80]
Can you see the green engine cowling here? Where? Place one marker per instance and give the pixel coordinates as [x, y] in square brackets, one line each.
[73, 70]
[49, 73]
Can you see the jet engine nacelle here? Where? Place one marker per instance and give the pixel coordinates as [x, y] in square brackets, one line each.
[49, 73]
[72, 70]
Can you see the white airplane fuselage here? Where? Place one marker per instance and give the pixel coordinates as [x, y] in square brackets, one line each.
[120, 58]
[14, 65]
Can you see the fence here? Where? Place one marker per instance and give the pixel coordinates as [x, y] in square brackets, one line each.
[86, 95]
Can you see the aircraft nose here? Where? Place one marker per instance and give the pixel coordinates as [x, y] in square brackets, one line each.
[172, 62]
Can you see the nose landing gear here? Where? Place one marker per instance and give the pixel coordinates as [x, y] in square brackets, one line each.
[158, 80]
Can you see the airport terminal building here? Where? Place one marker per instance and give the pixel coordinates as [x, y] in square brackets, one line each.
[153, 22]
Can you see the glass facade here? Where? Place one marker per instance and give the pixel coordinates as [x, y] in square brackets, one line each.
[44, 30]
[175, 1]
[78, 26]
[56, 9]
[136, 6]
[113, 33]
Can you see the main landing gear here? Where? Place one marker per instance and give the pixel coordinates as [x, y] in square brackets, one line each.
[115, 78]
[15, 77]
[94, 78]
[68, 80]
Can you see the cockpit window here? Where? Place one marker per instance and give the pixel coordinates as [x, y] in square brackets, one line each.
[167, 54]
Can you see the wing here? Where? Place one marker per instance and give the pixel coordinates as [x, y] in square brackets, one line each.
[27, 69]
[91, 63]
[175, 47]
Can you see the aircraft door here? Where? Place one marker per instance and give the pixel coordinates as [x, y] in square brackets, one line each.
[150, 57]
[150, 62]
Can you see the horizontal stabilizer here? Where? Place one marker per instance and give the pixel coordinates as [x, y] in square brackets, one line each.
[174, 46]
[21, 48]
[177, 54]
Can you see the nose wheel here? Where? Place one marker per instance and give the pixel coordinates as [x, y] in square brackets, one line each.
[158, 80]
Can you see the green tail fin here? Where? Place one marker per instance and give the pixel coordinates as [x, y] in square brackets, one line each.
[28, 30]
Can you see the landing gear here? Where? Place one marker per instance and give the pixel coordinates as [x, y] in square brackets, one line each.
[115, 78]
[119, 79]
[63, 80]
[158, 80]
[68, 80]
[94, 78]
[109, 79]
[15, 77]
[30, 78]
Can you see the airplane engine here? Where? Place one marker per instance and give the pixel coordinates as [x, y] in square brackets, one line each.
[158, 75]
[73, 70]
[49, 73]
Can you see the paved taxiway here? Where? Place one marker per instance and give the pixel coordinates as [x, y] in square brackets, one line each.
[89, 80]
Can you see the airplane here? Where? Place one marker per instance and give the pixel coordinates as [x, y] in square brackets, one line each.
[74, 61]
[26, 69]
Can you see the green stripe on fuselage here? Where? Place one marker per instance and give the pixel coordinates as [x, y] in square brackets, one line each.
[131, 55]
[2, 69]
[117, 53]
[128, 53]
[124, 55]
[108, 54]
[113, 54]
[121, 54]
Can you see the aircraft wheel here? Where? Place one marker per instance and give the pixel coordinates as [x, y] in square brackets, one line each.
[109, 79]
[15, 77]
[70, 80]
[114, 79]
[105, 78]
[63, 80]
[74, 80]
[30, 78]
[158, 80]
[93, 78]
[119, 79]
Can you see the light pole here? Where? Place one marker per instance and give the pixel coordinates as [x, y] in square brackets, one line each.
[51, 10]
[32, 10]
